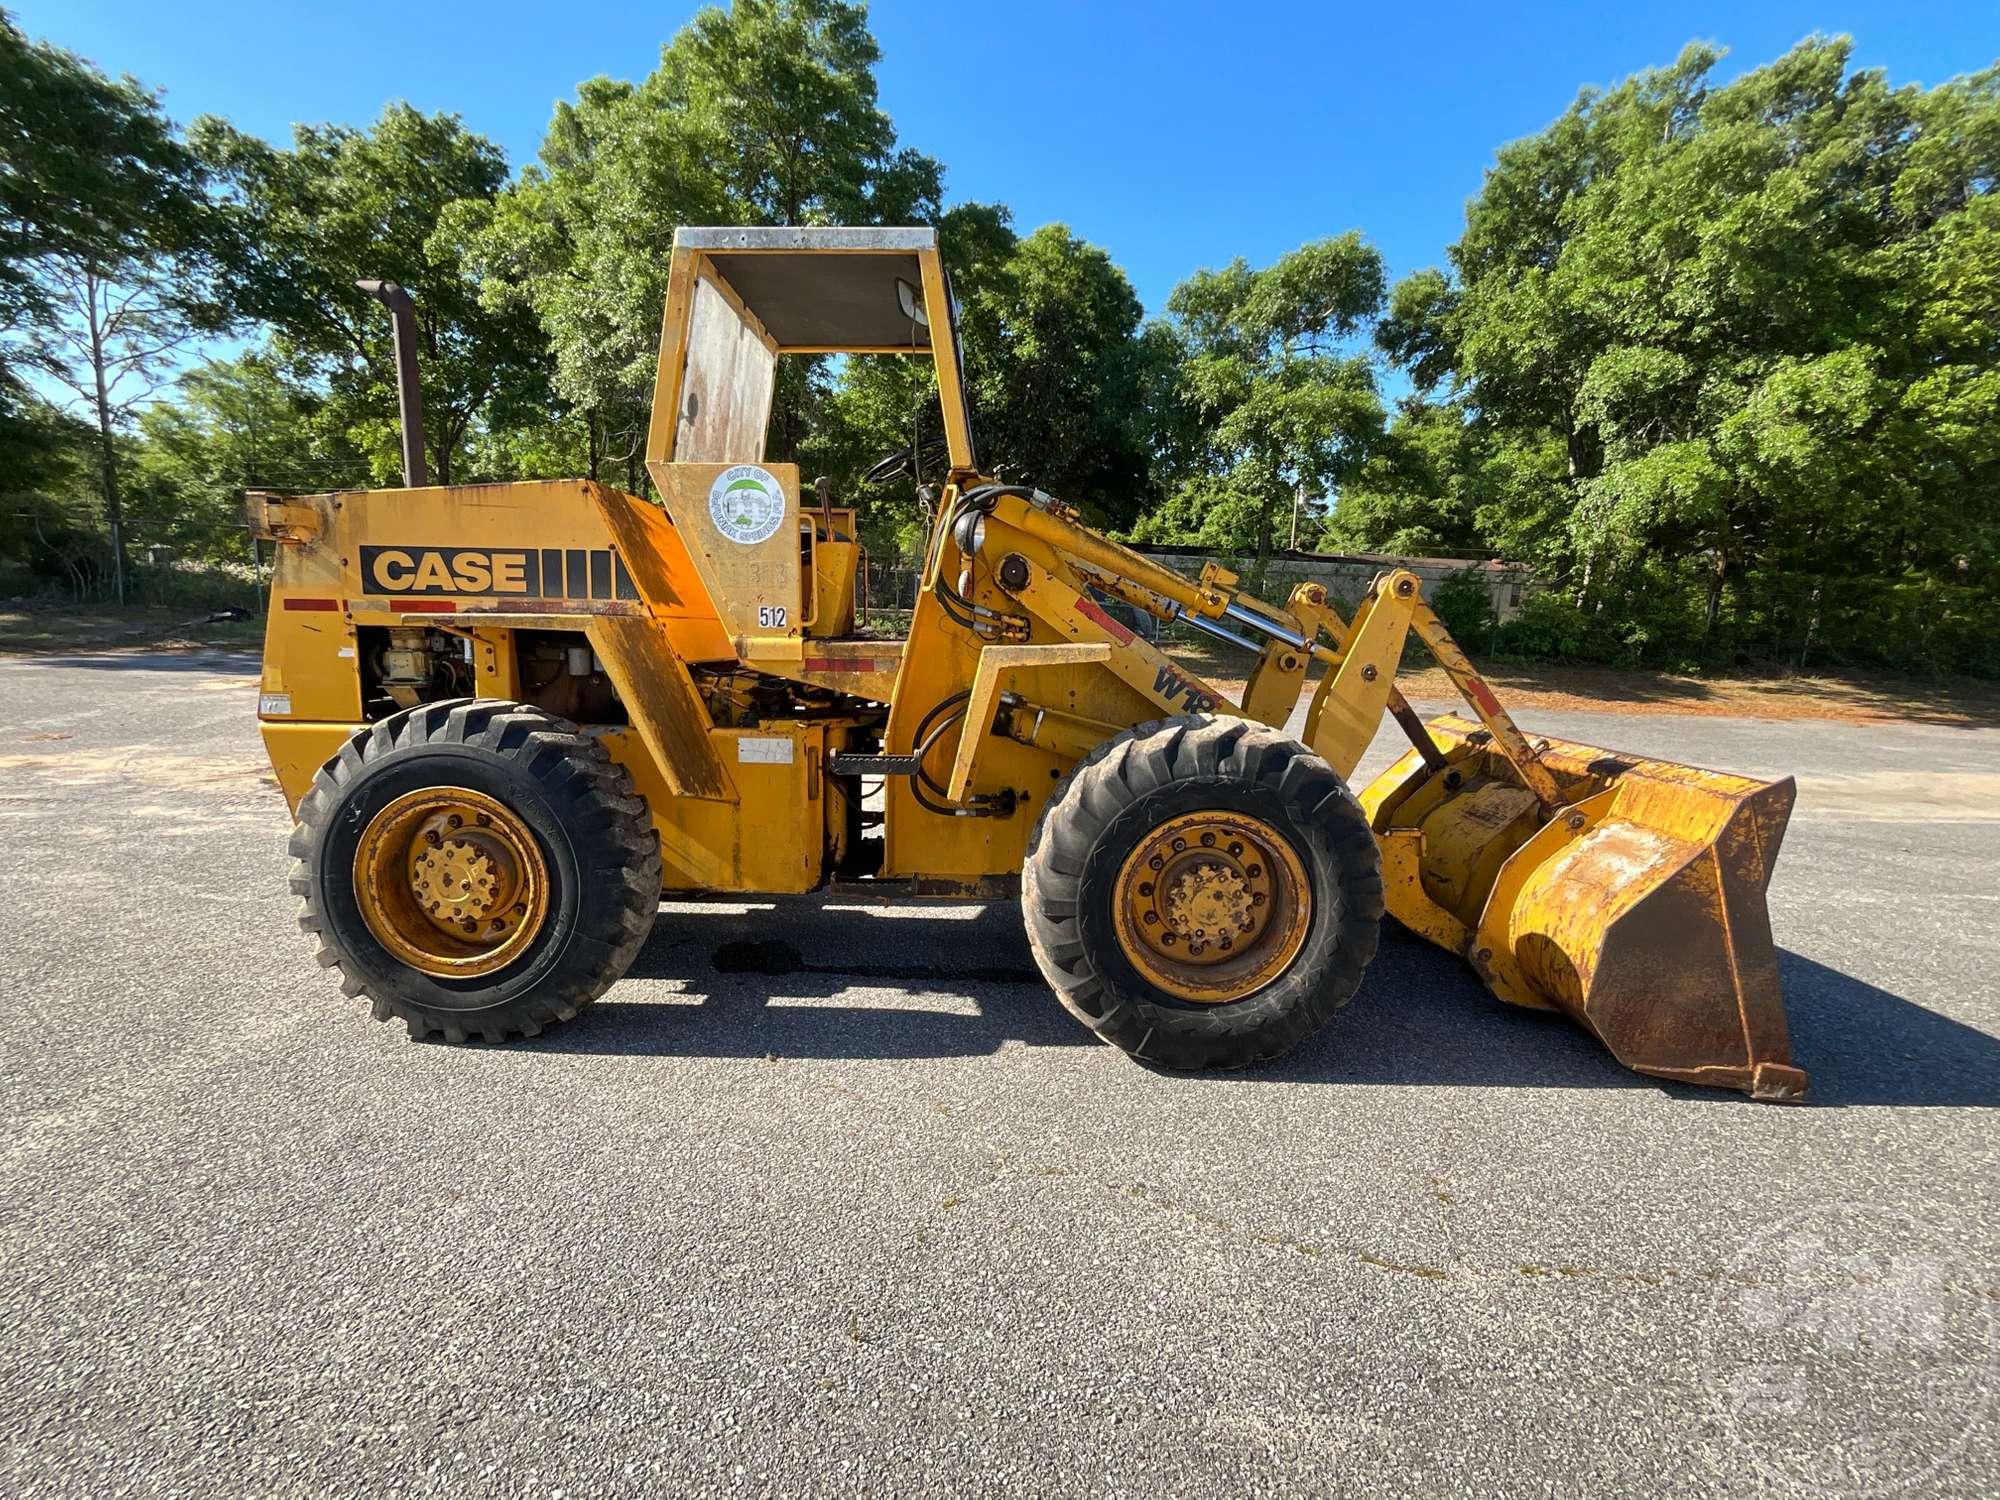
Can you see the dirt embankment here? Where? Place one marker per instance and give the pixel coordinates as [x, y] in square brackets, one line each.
[1857, 699]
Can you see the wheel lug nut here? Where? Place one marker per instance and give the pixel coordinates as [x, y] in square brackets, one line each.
[484, 821]
[454, 821]
[1145, 887]
[1254, 871]
[1169, 938]
[1156, 863]
[1256, 898]
[1151, 917]
[1179, 845]
[1234, 847]
[498, 925]
[1208, 841]
[1227, 943]
[431, 837]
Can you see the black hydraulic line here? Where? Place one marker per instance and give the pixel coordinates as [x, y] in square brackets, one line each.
[964, 695]
[929, 744]
[937, 720]
[1418, 732]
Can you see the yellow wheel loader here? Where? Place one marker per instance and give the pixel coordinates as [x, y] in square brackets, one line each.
[508, 718]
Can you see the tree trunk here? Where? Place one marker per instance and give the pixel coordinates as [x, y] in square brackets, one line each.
[1812, 628]
[107, 450]
[1717, 574]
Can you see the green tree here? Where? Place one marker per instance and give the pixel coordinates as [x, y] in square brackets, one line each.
[1287, 408]
[782, 95]
[104, 233]
[1056, 369]
[765, 113]
[1057, 376]
[50, 506]
[232, 426]
[90, 167]
[1755, 326]
[345, 204]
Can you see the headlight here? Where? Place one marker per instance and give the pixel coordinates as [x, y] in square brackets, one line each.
[969, 531]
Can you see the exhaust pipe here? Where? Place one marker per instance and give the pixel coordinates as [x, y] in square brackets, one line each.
[409, 394]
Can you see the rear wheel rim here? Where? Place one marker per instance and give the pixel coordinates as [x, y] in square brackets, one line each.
[1212, 906]
[451, 882]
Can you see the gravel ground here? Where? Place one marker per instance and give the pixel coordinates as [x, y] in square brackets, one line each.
[890, 1221]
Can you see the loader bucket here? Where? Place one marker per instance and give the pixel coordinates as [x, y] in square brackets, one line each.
[1636, 906]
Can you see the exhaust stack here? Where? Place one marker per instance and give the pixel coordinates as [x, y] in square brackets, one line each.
[409, 394]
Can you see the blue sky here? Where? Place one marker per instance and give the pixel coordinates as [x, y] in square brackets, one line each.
[1174, 134]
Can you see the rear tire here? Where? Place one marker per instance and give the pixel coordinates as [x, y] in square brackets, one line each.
[598, 871]
[1111, 811]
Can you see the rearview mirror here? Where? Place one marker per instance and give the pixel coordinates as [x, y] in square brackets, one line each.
[911, 303]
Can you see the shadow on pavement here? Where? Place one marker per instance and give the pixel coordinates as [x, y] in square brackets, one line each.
[1863, 1045]
[771, 981]
[206, 659]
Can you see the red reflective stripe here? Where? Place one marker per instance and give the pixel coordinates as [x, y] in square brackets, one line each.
[321, 604]
[1104, 622]
[424, 606]
[1482, 695]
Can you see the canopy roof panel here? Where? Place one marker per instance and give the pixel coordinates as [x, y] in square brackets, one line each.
[823, 287]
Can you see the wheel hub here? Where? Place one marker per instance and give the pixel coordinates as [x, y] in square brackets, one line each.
[1212, 906]
[1210, 898]
[451, 881]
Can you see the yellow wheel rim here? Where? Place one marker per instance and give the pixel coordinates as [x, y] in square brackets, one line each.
[1212, 906]
[451, 882]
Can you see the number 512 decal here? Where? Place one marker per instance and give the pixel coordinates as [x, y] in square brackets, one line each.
[771, 617]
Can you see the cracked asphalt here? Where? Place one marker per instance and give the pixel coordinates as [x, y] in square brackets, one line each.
[870, 1213]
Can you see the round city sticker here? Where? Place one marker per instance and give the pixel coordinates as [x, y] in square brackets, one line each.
[747, 504]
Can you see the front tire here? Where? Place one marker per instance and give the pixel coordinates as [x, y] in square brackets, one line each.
[1203, 893]
[475, 868]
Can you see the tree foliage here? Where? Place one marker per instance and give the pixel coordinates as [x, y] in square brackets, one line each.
[1720, 360]
[1057, 376]
[90, 167]
[765, 113]
[104, 252]
[1285, 407]
[1723, 363]
[342, 205]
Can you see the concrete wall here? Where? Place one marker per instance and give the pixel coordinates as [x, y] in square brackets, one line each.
[1347, 574]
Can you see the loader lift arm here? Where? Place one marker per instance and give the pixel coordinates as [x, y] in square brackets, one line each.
[1628, 894]
[1359, 683]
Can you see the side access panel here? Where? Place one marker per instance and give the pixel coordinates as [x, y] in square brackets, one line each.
[772, 841]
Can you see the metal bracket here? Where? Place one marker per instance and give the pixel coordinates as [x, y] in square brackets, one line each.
[996, 662]
[844, 764]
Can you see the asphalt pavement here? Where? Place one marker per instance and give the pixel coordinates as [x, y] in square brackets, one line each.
[865, 1211]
